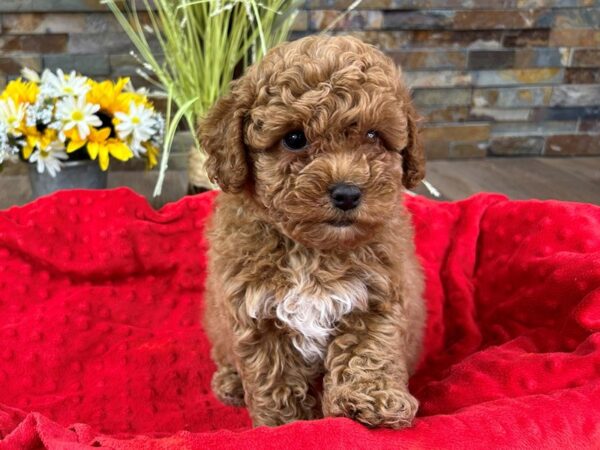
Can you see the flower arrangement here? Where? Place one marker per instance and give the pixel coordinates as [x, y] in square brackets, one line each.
[58, 117]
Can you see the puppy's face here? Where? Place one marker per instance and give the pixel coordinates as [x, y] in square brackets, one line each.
[322, 135]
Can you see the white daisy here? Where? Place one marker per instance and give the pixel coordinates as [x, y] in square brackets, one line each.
[136, 147]
[50, 158]
[139, 123]
[12, 115]
[76, 112]
[61, 85]
[30, 75]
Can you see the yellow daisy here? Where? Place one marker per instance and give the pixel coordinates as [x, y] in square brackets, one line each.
[106, 94]
[35, 139]
[21, 92]
[101, 146]
[76, 142]
[151, 156]
[125, 99]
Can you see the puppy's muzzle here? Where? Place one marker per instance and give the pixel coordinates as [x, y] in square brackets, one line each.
[345, 196]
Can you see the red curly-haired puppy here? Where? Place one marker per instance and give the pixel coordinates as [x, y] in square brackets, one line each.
[312, 270]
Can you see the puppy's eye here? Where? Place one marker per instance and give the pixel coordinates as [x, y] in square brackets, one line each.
[295, 140]
[372, 135]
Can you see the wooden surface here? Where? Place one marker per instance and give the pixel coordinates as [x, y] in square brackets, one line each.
[573, 179]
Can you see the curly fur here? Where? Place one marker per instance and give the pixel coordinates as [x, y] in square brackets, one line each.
[291, 297]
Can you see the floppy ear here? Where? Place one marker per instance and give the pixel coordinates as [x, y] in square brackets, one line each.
[221, 134]
[413, 158]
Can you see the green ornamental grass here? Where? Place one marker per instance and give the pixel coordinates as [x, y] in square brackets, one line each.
[201, 44]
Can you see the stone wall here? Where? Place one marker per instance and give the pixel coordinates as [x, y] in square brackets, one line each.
[490, 77]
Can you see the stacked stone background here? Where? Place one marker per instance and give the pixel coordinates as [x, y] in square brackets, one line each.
[490, 77]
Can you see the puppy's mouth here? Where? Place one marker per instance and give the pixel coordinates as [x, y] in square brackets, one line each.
[341, 223]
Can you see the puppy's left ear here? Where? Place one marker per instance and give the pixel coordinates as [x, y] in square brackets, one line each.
[413, 157]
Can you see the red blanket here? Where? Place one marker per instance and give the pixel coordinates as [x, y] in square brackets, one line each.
[100, 300]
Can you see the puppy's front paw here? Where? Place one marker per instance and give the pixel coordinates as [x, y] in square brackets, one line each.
[371, 404]
[227, 386]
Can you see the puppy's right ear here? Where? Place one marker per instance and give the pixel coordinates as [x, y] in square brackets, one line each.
[221, 134]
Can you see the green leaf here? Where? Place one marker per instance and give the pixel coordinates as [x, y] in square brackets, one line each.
[169, 136]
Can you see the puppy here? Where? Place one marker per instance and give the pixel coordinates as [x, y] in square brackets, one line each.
[312, 270]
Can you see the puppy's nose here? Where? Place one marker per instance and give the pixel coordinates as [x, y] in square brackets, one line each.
[345, 196]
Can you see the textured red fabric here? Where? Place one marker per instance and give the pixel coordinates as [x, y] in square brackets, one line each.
[100, 300]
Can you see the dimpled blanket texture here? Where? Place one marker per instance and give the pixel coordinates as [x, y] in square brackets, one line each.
[101, 342]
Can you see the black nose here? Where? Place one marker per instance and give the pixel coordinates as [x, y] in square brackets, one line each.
[345, 196]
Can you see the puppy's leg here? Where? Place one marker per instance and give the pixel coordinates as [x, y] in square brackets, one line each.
[367, 373]
[276, 379]
[226, 382]
[227, 385]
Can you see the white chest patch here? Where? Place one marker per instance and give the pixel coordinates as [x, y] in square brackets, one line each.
[312, 310]
[315, 316]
